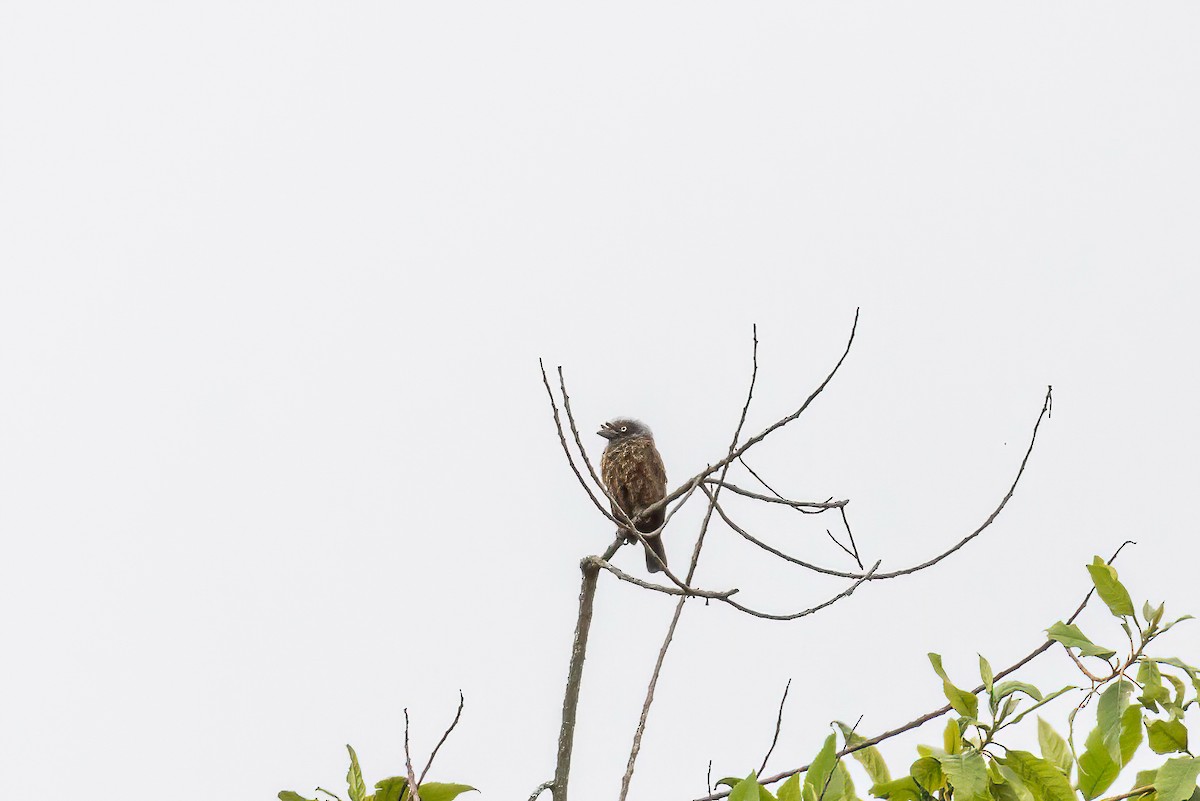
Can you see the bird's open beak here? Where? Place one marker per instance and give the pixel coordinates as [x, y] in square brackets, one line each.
[607, 431]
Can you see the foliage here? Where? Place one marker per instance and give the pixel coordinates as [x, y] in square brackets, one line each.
[393, 788]
[1140, 699]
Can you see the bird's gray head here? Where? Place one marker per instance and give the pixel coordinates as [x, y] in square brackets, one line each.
[624, 428]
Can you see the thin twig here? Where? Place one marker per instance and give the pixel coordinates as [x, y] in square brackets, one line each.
[708, 776]
[776, 497]
[778, 726]
[562, 438]
[685, 590]
[848, 552]
[1145, 788]
[413, 788]
[805, 612]
[437, 747]
[760, 436]
[937, 713]
[931, 562]
[618, 514]
[850, 534]
[670, 635]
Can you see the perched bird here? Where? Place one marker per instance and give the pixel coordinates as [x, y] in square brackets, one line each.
[633, 472]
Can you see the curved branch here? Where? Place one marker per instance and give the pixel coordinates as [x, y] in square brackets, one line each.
[562, 438]
[541, 788]
[685, 590]
[822, 505]
[1046, 405]
[843, 594]
[759, 437]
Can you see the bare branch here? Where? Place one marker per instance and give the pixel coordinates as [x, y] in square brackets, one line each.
[806, 612]
[562, 438]
[620, 517]
[413, 789]
[846, 550]
[583, 624]
[850, 533]
[937, 713]
[670, 635]
[778, 726]
[438, 747]
[541, 788]
[1146, 788]
[685, 590]
[931, 562]
[776, 498]
[759, 437]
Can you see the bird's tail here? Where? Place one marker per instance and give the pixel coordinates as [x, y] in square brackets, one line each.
[654, 545]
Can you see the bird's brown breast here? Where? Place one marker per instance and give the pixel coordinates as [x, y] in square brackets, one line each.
[633, 472]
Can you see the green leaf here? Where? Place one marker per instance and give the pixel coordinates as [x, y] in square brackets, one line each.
[985, 673]
[1171, 625]
[790, 789]
[1152, 615]
[441, 791]
[1008, 785]
[1113, 703]
[1040, 703]
[288, 795]
[1054, 748]
[964, 703]
[927, 771]
[1176, 779]
[1167, 736]
[1154, 692]
[869, 757]
[1041, 778]
[905, 789]
[967, 774]
[1110, 590]
[952, 739]
[827, 782]
[391, 788]
[1070, 635]
[1131, 733]
[1007, 688]
[1097, 769]
[356, 787]
[744, 790]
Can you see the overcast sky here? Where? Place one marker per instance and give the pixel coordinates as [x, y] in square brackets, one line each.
[276, 461]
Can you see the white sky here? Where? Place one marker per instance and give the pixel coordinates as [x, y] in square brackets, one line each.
[275, 460]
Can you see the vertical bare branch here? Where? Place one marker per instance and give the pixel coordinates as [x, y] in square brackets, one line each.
[413, 792]
[583, 624]
[670, 635]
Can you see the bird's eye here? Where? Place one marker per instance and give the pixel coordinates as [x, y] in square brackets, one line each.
[624, 428]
